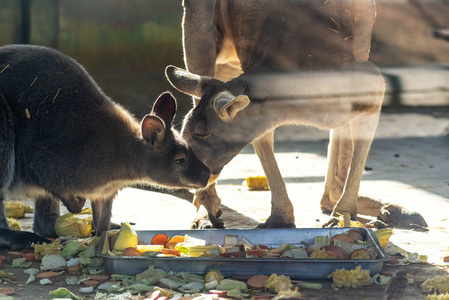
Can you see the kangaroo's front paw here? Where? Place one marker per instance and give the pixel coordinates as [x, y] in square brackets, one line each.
[206, 220]
[396, 215]
[326, 206]
[276, 221]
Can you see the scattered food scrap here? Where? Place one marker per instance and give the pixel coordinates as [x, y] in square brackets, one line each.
[439, 284]
[257, 183]
[355, 278]
[75, 225]
[17, 209]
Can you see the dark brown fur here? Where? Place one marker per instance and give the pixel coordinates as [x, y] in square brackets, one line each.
[64, 139]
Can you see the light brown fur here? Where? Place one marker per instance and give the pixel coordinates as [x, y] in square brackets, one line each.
[294, 62]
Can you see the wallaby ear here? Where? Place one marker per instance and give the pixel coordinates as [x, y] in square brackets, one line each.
[165, 108]
[186, 82]
[153, 129]
[227, 105]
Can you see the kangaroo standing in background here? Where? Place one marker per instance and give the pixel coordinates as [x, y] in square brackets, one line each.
[254, 65]
[63, 139]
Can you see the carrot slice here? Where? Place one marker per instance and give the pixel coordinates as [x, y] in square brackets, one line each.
[173, 241]
[159, 239]
[171, 251]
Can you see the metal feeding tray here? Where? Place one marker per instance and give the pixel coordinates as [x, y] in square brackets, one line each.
[295, 268]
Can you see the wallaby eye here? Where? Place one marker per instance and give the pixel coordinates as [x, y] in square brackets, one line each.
[180, 158]
[202, 135]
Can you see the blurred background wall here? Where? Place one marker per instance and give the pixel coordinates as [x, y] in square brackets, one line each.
[126, 44]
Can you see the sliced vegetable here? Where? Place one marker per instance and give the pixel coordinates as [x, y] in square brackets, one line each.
[257, 281]
[383, 235]
[350, 278]
[192, 286]
[319, 241]
[53, 261]
[355, 233]
[149, 248]
[211, 285]
[231, 282]
[131, 251]
[171, 251]
[171, 244]
[164, 292]
[63, 293]
[361, 254]
[336, 252]
[159, 239]
[75, 225]
[213, 275]
[277, 283]
[151, 276]
[256, 253]
[231, 240]
[124, 238]
[141, 288]
[235, 293]
[40, 250]
[283, 247]
[21, 262]
[14, 224]
[342, 237]
[438, 284]
[7, 291]
[172, 283]
[257, 183]
[71, 249]
[308, 285]
[16, 209]
[30, 256]
[296, 253]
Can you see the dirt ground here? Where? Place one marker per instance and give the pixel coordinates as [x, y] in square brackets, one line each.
[407, 165]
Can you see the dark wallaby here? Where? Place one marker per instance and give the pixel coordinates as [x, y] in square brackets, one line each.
[63, 139]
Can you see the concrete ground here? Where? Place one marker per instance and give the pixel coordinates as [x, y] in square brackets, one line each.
[408, 164]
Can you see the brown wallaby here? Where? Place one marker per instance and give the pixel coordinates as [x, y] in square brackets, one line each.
[63, 139]
[254, 65]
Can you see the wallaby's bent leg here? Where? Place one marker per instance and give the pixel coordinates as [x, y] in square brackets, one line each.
[339, 158]
[356, 138]
[282, 215]
[208, 199]
[364, 128]
[101, 212]
[45, 214]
